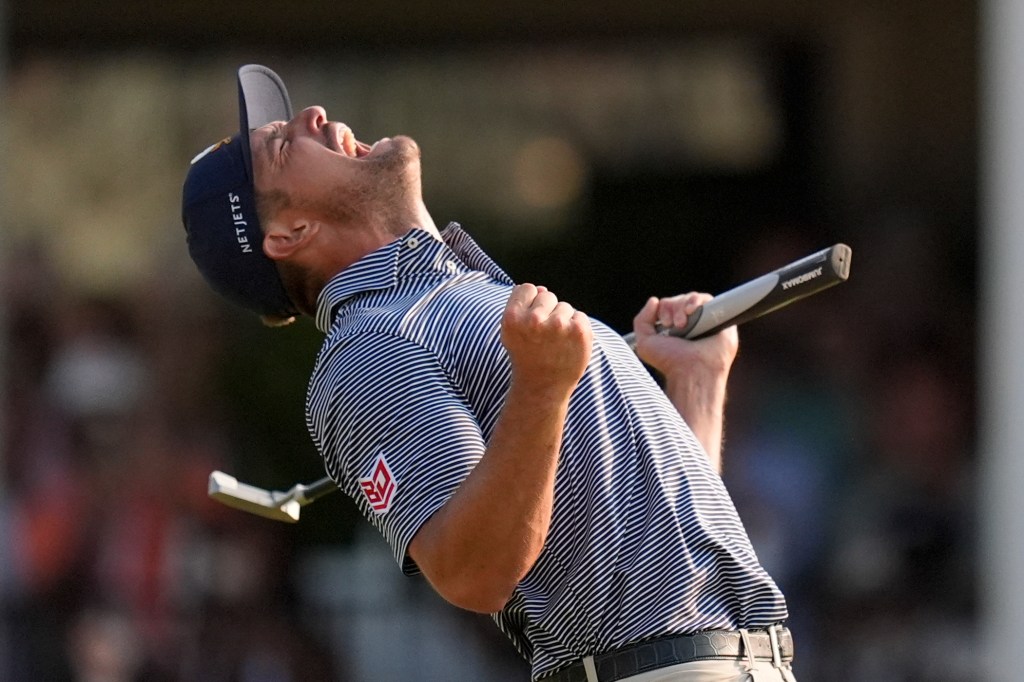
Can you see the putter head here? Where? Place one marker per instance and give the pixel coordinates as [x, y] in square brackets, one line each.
[226, 489]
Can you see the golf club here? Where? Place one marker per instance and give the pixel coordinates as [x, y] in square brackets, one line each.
[748, 301]
[272, 504]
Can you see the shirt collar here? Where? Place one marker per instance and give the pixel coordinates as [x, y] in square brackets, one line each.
[416, 251]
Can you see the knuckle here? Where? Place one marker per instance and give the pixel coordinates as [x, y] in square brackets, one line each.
[510, 314]
[548, 298]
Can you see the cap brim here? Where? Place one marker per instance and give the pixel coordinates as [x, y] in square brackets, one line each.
[262, 99]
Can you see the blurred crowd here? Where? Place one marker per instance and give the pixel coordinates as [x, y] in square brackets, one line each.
[849, 453]
[115, 565]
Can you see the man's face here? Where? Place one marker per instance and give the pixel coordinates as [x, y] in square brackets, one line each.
[320, 166]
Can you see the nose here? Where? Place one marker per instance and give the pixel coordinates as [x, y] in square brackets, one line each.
[313, 118]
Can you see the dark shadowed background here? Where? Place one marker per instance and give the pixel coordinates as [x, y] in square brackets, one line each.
[608, 150]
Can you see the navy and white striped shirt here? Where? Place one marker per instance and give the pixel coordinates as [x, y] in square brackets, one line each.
[644, 540]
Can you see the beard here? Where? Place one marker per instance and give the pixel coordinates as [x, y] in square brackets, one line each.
[383, 194]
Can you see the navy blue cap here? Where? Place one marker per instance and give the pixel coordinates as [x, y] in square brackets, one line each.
[218, 204]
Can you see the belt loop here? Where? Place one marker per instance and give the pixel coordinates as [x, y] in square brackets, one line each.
[773, 637]
[590, 668]
[748, 650]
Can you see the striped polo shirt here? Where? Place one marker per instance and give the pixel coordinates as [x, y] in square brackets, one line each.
[644, 540]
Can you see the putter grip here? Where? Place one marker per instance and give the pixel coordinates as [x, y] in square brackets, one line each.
[766, 293]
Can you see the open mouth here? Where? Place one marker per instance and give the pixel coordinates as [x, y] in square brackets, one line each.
[341, 139]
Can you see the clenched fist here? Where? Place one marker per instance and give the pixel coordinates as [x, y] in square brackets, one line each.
[548, 341]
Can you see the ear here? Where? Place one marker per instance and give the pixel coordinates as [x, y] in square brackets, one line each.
[281, 240]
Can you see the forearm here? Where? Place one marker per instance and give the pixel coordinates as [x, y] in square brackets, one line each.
[477, 548]
[696, 372]
[699, 396]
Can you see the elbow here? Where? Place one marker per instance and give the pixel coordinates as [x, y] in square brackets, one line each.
[478, 603]
[473, 593]
[479, 580]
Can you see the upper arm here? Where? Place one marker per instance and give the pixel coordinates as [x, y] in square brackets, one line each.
[395, 432]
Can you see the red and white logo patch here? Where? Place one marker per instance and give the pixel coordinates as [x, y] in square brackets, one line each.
[379, 487]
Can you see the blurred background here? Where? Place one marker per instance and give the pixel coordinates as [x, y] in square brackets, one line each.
[608, 150]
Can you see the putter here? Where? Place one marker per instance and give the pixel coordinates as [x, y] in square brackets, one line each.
[271, 504]
[748, 301]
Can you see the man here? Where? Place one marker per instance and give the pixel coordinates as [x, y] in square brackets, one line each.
[507, 446]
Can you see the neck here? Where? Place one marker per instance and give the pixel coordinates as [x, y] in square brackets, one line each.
[423, 220]
[305, 280]
[303, 286]
[400, 223]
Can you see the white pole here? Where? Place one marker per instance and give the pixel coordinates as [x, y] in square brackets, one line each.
[1001, 339]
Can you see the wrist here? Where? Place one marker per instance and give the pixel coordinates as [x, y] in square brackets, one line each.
[540, 391]
[697, 386]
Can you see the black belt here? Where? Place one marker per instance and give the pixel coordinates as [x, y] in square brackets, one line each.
[673, 650]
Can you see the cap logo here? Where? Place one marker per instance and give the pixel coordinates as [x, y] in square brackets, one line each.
[379, 487]
[212, 148]
[240, 223]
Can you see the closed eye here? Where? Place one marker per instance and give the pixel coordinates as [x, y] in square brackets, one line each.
[275, 142]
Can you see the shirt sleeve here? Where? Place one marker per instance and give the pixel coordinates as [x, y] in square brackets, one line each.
[395, 432]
